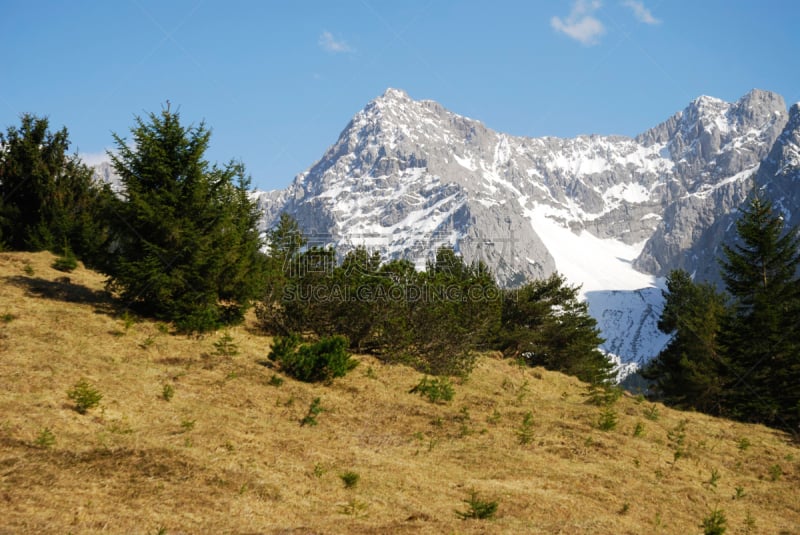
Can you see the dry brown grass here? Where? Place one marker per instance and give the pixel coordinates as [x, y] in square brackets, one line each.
[227, 454]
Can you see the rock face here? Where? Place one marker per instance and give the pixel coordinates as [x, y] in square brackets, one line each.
[613, 213]
[716, 148]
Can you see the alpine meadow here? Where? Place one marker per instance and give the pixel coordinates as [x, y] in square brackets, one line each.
[420, 267]
[172, 366]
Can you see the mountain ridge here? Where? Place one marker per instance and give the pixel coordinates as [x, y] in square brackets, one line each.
[406, 176]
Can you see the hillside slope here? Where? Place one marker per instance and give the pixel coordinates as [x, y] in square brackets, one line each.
[227, 453]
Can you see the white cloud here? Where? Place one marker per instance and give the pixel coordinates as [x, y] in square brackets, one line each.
[580, 24]
[640, 12]
[330, 44]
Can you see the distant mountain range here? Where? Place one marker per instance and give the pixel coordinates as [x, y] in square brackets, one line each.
[612, 213]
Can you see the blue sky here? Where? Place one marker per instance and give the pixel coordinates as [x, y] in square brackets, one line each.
[278, 81]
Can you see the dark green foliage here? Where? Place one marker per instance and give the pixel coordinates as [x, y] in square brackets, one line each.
[314, 410]
[48, 199]
[225, 346]
[763, 338]
[66, 262]
[690, 372]
[285, 243]
[714, 523]
[546, 323]
[84, 395]
[350, 479]
[741, 359]
[477, 508]
[186, 242]
[311, 296]
[434, 320]
[321, 361]
[458, 311]
[436, 389]
[604, 395]
[608, 419]
[275, 380]
[45, 439]
[525, 430]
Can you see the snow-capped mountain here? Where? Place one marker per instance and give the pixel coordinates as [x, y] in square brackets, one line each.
[612, 213]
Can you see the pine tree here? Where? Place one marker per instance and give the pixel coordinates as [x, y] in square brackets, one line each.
[763, 337]
[546, 323]
[691, 372]
[48, 198]
[355, 310]
[186, 243]
[285, 242]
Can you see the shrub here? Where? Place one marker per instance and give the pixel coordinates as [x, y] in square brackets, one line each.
[775, 472]
[187, 424]
[313, 411]
[436, 389]
[66, 262]
[84, 395]
[350, 479]
[167, 392]
[525, 431]
[275, 380]
[604, 395]
[477, 508]
[714, 523]
[638, 431]
[45, 439]
[225, 346]
[320, 361]
[715, 476]
[608, 419]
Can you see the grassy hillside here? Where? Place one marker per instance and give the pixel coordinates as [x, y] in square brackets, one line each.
[227, 453]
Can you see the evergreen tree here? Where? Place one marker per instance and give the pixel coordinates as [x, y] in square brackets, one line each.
[186, 243]
[763, 337]
[48, 199]
[691, 371]
[285, 242]
[359, 299]
[546, 323]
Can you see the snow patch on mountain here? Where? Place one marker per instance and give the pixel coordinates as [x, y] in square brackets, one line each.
[625, 302]
[611, 213]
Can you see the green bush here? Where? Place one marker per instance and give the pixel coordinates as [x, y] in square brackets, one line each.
[525, 431]
[320, 361]
[225, 346]
[275, 380]
[84, 395]
[477, 508]
[436, 389]
[350, 479]
[67, 262]
[313, 411]
[608, 419]
[714, 523]
[604, 395]
[45, 439]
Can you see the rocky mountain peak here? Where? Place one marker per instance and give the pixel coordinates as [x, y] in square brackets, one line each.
[610, 212]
